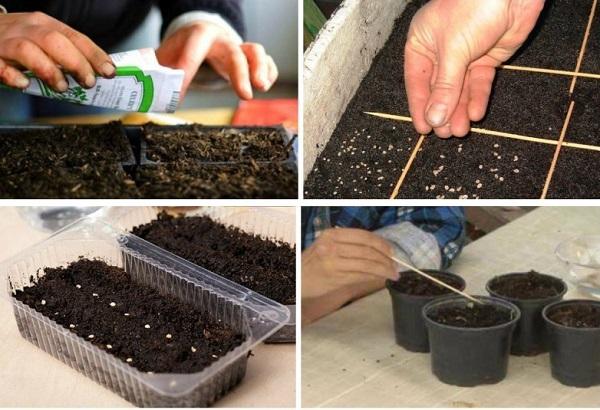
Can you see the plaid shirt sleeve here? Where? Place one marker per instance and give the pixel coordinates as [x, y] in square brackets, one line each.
[446, 224]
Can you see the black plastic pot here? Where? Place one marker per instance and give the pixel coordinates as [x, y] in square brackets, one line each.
[409, 326]
[574, 352]
[469, 356]
[529, 337]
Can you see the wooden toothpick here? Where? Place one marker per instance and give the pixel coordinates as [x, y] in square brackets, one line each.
[549, 71]
[413, 155]
[431, 278]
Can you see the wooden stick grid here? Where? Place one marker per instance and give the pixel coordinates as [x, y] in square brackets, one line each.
[583, 45]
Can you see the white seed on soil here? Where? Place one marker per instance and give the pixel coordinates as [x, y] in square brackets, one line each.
[451, 190]
[496, 176]
[442, 156]
[193, 349]
[432, 187]
[90, 336]
[109, 346]
[477, 181]
[463, 197]
[112, 304]
[384, 152]
[129, 360]
[515, 158]
[214, 356]
[427, 188]
[479, 185]
[458, 189]
[480, 166]
[72, 326]
[334, 192]
[493, 169]
[496, 145]
[78, 286]
[125, 314]
[516, 170]
[95, 295]
[43, 302]
[380, 179]
[147, 326]
[501, 179]
[446, 187]
[169, 336]
[368, 136]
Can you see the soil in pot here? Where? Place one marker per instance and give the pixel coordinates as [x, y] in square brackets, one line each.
[241, 181]
[134, 322]
[574, 341]
[531, 292]
[195, 142]
[470, 342]
[264, 266]
[409, 294]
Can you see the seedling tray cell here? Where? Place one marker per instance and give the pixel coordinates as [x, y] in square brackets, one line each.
[267, 224]
[247, 312]
[561, 27]
[583, 127]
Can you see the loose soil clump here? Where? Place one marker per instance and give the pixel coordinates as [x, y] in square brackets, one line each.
[576, 315]
[471, 316]
[531, 285]
[412, 283]
[264, 266]
[132, 321]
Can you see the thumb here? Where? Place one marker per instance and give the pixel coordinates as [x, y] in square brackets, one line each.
[446, 89]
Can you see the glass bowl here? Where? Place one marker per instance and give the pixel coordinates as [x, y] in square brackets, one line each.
[581, 255]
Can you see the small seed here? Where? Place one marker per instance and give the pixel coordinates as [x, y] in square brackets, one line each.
[193, 349]
[214, 356]
[125, 314]
[129, 360]
[479, 185]
[169, 335]
[147, 326]
[78, 286]
[90, 336]
[113, 304]
[109, 346]
[43, 302]
[516, 171]
[72, 326]
[95, 295]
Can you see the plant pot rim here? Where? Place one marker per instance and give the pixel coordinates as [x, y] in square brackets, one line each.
[521, 300]
[497, 301]
[570, 302]
[389, 285]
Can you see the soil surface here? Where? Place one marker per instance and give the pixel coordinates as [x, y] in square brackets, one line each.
[191, 180]
[583, 126]
[195, 142]
[576, 315]
[471, 316]
[591, 59]
[557, 37]
[576, 175]
[531, 285]
[134, 322]
[264, 266]
[414, 284]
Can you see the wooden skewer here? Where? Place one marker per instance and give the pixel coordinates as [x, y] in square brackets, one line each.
[483, 131]
[557, 151]
[550, 71]
[413, 155]
[431, 278]
[583, 45]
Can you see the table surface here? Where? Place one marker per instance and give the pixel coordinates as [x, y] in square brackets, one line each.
[350, 357]
[30, 377]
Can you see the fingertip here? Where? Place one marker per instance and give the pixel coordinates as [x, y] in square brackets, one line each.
[437, 114]
[443, 132]
[108, 69]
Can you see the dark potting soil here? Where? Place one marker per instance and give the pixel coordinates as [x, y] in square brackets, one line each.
[529, 285]
[64, 146]
[414, 284]
[557, 36]
[583, 126]
[191, 180]
[591, 59]
[195, 142]
[576, 175]
[576, 315]
[98, 181]
[264, 266]
[476, 167]
[134, 322]
[471, 316]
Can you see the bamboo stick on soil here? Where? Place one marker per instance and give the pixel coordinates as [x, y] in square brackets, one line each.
[583, 45]
[413, 155]
[550, 71]
[439, 282]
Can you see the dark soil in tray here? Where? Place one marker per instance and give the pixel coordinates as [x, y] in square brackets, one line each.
[244, 180]
[414, 284]
[195, 142]
[98, 181]
[576, 175]
[557, 37]
[584, 125]
[65, 146]
[149, 331]
[576, 315]
[264, 266]
[530, 285]
[478, 166]
[471, 316]
[591, 59]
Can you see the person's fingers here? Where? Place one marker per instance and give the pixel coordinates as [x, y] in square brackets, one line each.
[445, 131]
[418, 70]
[32, 57]
[239, 73]
[12, 77]
[258, 63]
[360, 237]
[65, 54]
[481, 79]
[273, 70]
[459, 123]
[445, 92]
[364, 266]
[349, 250]
[97, 58]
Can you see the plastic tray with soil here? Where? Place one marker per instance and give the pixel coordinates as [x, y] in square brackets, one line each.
[157, 336]
[574, 341]
[263, 265]
[215, 144]
[409, 294]
[366, 156]
[470, 342]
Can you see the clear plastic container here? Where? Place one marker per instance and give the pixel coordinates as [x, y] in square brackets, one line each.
[265, 222]
[254, 315]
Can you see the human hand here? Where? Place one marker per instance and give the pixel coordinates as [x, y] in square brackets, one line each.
[245, 66]
[44, 45]
[342, 258]
[451, 55]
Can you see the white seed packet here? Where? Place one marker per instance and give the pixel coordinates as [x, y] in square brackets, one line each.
[141, 84]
